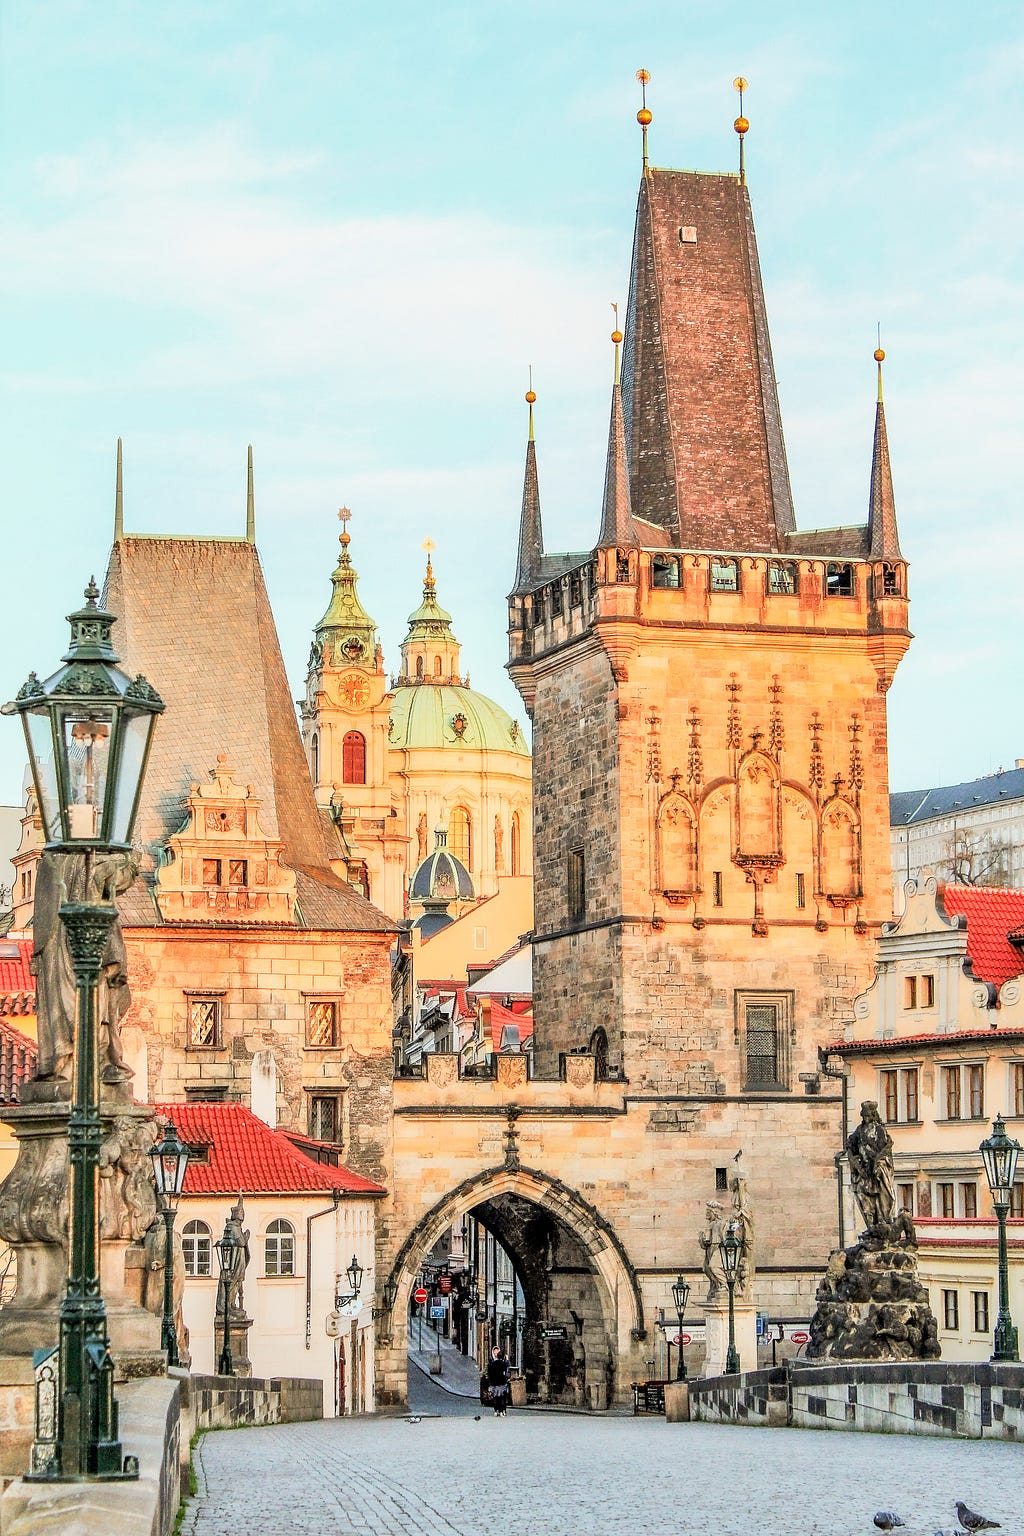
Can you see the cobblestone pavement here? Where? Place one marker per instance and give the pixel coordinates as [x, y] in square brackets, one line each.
[540, 1474]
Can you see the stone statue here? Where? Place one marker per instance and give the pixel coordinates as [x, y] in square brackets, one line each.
[742, 1221]
[62, 877]
[869, 1149]
[233, 1226]
[421, 836]
[499, 846]
[127, 1198]
[709, 1238]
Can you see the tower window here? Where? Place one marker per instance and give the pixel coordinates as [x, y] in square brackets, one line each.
[516, 849]
[437, 666]
[781, 578]
[838, 579]
[538, 609]
[716, 888]
[314, 757]
[460, 835]
[576, 885]
[419, 667]
[764, 1028]
[622, 571]
[665, 571]
[801, 891]
[725, 576]
[891, 585]
[353, 758]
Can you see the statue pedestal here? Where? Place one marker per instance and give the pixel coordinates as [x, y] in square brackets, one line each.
[238, 1338]
[34, 1221]
[716, 1333]
[871, 1304]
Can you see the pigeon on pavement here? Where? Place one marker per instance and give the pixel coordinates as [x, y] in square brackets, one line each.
[972, 1522]
[887, 1521]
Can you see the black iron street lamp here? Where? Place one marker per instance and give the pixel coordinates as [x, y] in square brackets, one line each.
[681, 1295]
[229, 1258]
[88, 730]
[999, 1153]
[354, 1276]
[170, 1159]
[729, 1248]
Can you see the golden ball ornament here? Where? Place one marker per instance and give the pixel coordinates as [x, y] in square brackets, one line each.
[644, 116]
[530, 396]
[616, 337]
[879, 355]
[741, 124]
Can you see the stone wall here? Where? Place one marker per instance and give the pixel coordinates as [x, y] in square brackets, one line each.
[231, 1402]
[964, 1401]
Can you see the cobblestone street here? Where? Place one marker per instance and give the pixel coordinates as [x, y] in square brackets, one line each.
[553, 1474]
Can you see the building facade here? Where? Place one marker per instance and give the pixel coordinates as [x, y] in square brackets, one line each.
[967, 834]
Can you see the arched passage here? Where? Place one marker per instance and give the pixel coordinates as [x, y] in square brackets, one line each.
[573, 1272]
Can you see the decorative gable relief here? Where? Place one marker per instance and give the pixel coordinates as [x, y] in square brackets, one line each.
[221, 867]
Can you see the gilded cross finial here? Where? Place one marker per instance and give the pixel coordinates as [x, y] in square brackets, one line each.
[344, 538]
[643, 117]
[428, 580]
[741, 124]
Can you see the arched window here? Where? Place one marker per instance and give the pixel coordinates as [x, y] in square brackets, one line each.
[665, 571]
[314, 757]
[353, 758]
[419, 666]
[516, 844]
[196, 1247]
[279, 1248]
[725, 576]
[460, 835]
[437, 666]
[599, 1051]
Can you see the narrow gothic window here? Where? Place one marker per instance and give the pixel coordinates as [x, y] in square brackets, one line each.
[419, 666]
[839, 851]
[577, 885]
[437, 666]
[716, 888]
[314, 757]
[353, 758]
[279, 1248]
[677, 844]
[460, 835]
[515, 840]
[556, 598]
[599, 1051]
[801, 891]
[890, 581]
[622, 566]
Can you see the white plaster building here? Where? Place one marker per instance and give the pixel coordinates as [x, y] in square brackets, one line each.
[970, 834]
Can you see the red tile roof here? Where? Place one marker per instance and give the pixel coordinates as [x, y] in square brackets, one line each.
[244, 1154]
[991, 915]
[520, 1015]
[952, 1038]
[17, 984]
[18, 1060]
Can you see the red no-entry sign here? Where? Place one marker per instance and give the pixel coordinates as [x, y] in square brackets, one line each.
[419, 1296]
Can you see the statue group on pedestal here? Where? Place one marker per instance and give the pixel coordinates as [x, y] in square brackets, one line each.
[717, 1221]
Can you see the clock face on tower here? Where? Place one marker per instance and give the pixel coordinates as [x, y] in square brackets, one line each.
[354, 690]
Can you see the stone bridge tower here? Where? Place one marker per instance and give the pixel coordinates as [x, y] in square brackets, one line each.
[707, 688]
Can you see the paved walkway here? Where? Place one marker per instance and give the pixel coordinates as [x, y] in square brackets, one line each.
[459, 1375]
[576, 1476]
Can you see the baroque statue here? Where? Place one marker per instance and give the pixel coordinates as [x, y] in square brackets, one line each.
[717, 1220]
[233, 1227]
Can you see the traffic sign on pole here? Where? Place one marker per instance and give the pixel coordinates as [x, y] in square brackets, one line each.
[419, 1296]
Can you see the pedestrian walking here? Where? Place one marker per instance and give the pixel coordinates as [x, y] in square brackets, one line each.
[498, 1372]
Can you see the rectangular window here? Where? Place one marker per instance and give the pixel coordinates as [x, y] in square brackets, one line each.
[890, 1096]
[238, 872]
[951, 1089]
[762, 1045]
[906, 1198]
[910, 991]
[1017, 1201]
[838, 579]
[321, 1024]
[980, 1311]
[323, 1116]
[716, 888]
[947, 1200]
[577, 885]
[801, 891]
[203, 1023]
[211, 871]
[976, 1090]
[969, 1200]
[721, 1179]
[556, 599]
[926, 991]
[951, 1310]
[910, 1099]
[725, 576]
[781, 578]
[1018, 1088]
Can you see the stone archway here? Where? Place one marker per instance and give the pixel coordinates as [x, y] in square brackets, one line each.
[574, 1272]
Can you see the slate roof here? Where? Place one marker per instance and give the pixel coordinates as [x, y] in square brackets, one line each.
[908, 806]
[245, 1154]
[194, 617]
[992, 915]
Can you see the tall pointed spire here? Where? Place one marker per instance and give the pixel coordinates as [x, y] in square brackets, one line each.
[357, 644]
[531, 536]
[250, 506]
[884, 542]
[118, 498]
[616, 516]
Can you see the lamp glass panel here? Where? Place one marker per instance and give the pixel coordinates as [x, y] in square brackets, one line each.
[86, 738]
[40, 745]
[135, 731]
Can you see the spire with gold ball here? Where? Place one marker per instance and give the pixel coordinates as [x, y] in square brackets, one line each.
[617, 531]
[741, 124]
[531, 536]
[644, 115]
[883, 536]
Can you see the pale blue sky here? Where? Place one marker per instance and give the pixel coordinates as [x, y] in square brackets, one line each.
[341, 232]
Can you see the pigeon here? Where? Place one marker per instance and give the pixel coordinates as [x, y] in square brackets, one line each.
[414, 1418]
[477, 1417]
[887, 1521]
[972, 1522]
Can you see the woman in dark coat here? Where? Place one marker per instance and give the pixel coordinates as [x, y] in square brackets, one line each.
[497, 1381]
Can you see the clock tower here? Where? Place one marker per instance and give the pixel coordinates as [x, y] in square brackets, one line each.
[345, 718]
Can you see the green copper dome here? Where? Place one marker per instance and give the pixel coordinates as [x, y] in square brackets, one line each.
[424, 715]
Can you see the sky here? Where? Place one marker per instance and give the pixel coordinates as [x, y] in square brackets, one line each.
[343, 233]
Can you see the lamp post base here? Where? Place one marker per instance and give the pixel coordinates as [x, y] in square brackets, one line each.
[1005, 1341]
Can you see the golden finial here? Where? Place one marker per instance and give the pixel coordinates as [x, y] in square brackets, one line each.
[428, 580]
[530, 398]
[879, 359]
[643, 117]
[616, 341]
[741, 124]
[344, 537]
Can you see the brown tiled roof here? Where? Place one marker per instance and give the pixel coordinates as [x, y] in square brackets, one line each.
[707, 458]
[195, 618]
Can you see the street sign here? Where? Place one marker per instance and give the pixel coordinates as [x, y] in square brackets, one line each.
[444, 1284]
[682, 1338]
[554, 1333]
[437, 1311]
[419, 1296]
[799, 1337]
[762, 1325]
[677, 1338]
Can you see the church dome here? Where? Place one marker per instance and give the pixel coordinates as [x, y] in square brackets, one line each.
[424, 715]
[441, 877]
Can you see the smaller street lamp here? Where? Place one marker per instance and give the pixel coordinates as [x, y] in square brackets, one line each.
[170, 1159]
[729, 1248]
[999, 1153]
[354, 1276]
[681, 1295]
[229, 1256]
